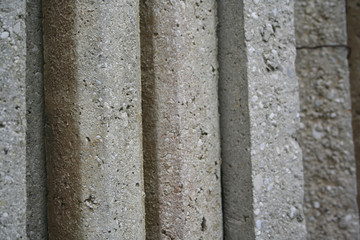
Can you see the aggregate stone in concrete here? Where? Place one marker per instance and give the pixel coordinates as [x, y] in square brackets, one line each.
[36, 214]
[353, 27]
[93, 112]
[181, 122]
[262, 176]
[326, 135]
[12, 120]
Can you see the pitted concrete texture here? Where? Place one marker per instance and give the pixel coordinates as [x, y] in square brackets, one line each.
[326, 135]
[12, 120]
[181, 122]
[353, 27]
[36, 205]
[93, 111]
[276, 158]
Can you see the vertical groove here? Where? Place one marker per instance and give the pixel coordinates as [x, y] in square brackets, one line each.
[234, 123]
[151, 175]
[353, 19]
[36, 214]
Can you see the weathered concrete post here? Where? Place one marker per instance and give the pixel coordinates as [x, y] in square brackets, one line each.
[93, 111]
[353, 20]
[326, 135]
[181, 123]
[12, 120]
[36, 205]
[259, 105]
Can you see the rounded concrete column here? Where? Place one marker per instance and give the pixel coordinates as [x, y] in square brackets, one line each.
[180, 120]
[93, 112]
[262, 162]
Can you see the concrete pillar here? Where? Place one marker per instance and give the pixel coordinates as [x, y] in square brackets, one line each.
[180, 120]
[326, 135]
[12, 120]
[353, 27]
[259, 105]
[93, 111]
[36, 205]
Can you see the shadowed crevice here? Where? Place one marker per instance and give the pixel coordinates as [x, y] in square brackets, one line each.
[237, 195]
[151, 174]
[353, 18]
[36, 205]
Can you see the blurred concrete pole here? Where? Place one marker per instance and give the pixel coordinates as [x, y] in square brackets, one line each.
[326, 139]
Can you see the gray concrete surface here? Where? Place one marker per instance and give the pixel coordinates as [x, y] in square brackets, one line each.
[326, 135]
[12, 120]
[36, 205]
[353, 27]
[180, 120]
[262, 160]
[93, 112]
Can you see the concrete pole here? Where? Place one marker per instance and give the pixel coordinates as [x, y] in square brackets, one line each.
[326, 135]
[353, 20]
[181, 122]
[12, 120]
[36, 205]
[259, 105]
[93, 111]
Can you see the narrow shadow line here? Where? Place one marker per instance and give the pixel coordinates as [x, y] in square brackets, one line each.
[151, 174]
[353, 11]
[237, 189]
[36, 205]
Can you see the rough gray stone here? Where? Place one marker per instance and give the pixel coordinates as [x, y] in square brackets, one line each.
[93, 111]
[181, 122]
[260, 105]
[36, 214]
[353, 20]
[326, 135]
[12, 120]
[276, 157]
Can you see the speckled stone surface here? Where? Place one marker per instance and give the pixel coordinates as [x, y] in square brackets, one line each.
[353, 27]
[12, 120]
[36, 205]
[276, 157]
[326, 135]
[181, 122]
[93, 112]
[262, 169]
